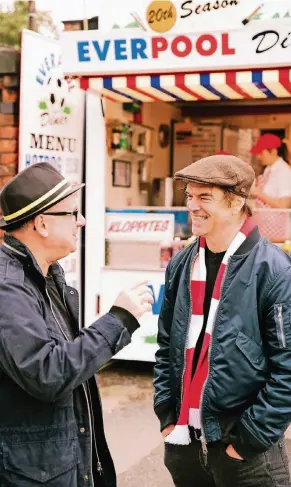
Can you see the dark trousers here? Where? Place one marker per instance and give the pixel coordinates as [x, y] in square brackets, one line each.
[186, 465]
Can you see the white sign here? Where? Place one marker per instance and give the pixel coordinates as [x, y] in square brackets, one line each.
[144, 341]
[258, 44]
[51, 119]
[216, 14]
[139, 226]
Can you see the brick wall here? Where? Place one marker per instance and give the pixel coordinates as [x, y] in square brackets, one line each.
[9, 96]
[9, 110]
[72, 25]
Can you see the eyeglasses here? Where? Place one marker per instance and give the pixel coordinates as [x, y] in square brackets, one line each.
[63, 213]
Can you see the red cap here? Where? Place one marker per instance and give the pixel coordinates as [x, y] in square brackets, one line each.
[266, 141]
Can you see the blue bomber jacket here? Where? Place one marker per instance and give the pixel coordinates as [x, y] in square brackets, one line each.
[247, 396]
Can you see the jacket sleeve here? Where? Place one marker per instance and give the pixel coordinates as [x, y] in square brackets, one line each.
[164, 408]
[46, 366]
[265, 422]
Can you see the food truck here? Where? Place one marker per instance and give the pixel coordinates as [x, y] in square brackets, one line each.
[156, 102]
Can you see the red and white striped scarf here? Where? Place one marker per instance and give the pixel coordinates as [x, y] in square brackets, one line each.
[192, 387]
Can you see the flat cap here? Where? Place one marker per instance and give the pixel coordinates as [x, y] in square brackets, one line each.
[220, 170]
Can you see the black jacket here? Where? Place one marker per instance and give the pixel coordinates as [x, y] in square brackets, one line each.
[47, 384]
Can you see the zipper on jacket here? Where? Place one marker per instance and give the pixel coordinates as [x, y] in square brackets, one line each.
[280, 325]
[87, 401]
[99, 466]
[203, 436]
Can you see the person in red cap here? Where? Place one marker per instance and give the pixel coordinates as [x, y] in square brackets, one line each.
[273, 188]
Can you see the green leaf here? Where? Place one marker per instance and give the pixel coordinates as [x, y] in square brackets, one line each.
[151, 339]
[42, 105]
[67, 110]
[257, 16]
[133, 25]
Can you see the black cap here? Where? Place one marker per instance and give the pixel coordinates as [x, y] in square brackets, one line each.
[32, 191]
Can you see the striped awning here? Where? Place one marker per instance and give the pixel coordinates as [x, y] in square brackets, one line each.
[227, 85]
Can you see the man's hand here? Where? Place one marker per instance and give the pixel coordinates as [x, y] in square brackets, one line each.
[137, 300]
[230, 451]
[168, 430]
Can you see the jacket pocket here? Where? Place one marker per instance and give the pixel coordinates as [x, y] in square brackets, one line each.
[283, 327]
[251, 351]
[40, 461]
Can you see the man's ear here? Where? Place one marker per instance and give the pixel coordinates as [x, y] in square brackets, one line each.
[237, 204]
[40, 226]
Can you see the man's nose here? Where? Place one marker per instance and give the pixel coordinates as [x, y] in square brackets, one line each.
[81, 220]
[193, 205]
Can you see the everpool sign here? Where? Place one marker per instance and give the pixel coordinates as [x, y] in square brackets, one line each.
[258, 44]
[51, 118]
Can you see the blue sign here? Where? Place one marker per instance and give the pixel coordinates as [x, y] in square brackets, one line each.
[158, 300]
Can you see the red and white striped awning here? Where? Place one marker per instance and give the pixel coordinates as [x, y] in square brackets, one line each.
[227, 85]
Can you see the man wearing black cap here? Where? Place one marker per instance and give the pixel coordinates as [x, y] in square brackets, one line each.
[51, 427]
[223, 369]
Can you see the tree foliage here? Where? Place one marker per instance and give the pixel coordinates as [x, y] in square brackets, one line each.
[15, 18]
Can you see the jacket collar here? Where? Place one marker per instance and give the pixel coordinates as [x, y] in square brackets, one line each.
[245, 247]
[13, 246]
[249, 242]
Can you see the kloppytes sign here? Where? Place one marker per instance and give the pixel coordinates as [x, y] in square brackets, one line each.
[138, 226]
[255, 45]
[144, 226]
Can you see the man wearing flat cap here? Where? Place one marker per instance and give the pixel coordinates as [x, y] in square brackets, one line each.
[51, 427]
[223, 368]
